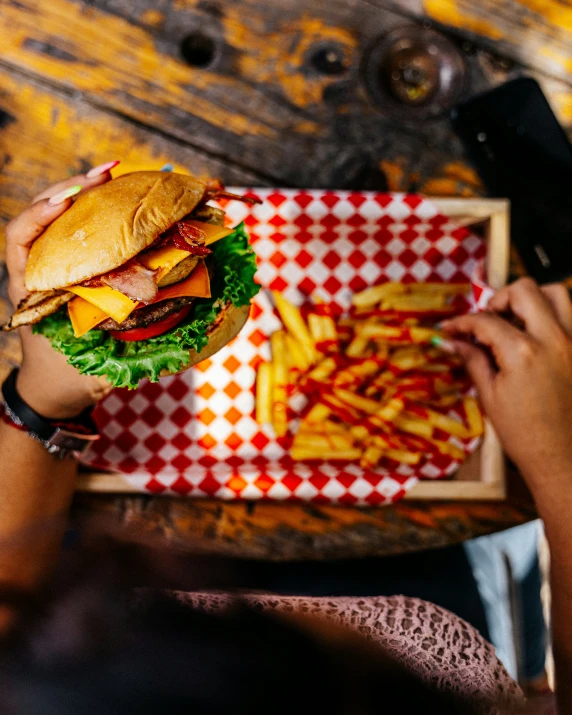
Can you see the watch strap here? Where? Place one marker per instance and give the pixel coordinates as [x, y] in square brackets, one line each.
[73, 435]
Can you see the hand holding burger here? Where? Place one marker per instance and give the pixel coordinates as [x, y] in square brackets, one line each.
[138, 278]
[46, 381]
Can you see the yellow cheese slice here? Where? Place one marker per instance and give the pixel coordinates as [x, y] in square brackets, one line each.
[164, 257]
[114, 303]
[84, 316]
[213, 233]
[196, 285]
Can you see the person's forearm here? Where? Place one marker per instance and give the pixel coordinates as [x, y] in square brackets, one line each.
[561, 586]
[35, 495]
[556, 511]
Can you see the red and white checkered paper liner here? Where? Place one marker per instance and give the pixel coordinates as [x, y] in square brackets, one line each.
[194, 434]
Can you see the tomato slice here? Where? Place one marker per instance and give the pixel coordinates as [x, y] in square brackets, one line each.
[151, 331]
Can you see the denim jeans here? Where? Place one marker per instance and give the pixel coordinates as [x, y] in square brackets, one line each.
[507, 571]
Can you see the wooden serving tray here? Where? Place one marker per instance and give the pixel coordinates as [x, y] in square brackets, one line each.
[482, 475]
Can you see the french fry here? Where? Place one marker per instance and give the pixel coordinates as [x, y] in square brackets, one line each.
[323, 370]
[319, 413]
[446, 288]
[279, 381]
[371, 457]
[378, 426]
[379, 383]
[389, 441]
[414, 334]
[415, 302]
[360, 433]
[389, 411]
[442, 422]
[327, 329]
[315, 327]
[358, 346]
[448, 424]
[374, 295]
[292, 319]
[442, 401]
[312, 440]
[371, 331]
[413, 425]
[304, 454]
[394, 449]
[475, 422]
[355, 374]
[423, 335]
[343, 411]
[403, 456]
[408, 358]
[279, 355]
[358, 402]
[297, 358]
[449, 449]
[325, 427]
[279, 418]
[438, 367]
[264, 394]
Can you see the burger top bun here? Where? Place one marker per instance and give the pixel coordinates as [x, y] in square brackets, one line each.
[108, 225]
[232, 322]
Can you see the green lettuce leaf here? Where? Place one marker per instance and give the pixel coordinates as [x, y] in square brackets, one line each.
[126, 363]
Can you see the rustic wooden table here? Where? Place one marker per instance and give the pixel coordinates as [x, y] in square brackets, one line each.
[284, 93]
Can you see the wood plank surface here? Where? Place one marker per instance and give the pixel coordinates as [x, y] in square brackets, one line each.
[290, 532]
[535, 33]
[262, 103]
[47, 134]
[239, 90]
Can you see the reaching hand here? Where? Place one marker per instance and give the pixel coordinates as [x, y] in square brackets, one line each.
[46, 381]
[524, 377]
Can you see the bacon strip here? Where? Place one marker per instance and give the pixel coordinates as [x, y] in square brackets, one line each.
[132, 279]
[215, 190]
[190, 238]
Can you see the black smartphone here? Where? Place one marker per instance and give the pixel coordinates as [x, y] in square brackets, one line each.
[522, 153]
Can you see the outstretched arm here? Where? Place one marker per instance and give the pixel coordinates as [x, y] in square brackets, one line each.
[519, 355]
[35, 487]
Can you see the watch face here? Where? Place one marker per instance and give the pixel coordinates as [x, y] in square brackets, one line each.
[71, 441]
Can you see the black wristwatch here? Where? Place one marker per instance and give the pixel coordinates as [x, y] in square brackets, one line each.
[61, 438]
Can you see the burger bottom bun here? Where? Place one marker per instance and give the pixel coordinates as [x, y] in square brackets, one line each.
[230, 326]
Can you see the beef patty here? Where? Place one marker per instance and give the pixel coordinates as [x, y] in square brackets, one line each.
[146, 316]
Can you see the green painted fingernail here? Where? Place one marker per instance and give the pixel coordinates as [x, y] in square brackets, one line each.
[447, 346]
[61, 196]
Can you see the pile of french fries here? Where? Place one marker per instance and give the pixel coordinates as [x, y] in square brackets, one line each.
[378, 389]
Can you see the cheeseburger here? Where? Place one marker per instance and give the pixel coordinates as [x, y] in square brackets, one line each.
[139, 278]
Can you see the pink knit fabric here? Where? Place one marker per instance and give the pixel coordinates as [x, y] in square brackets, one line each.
[430, 641]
